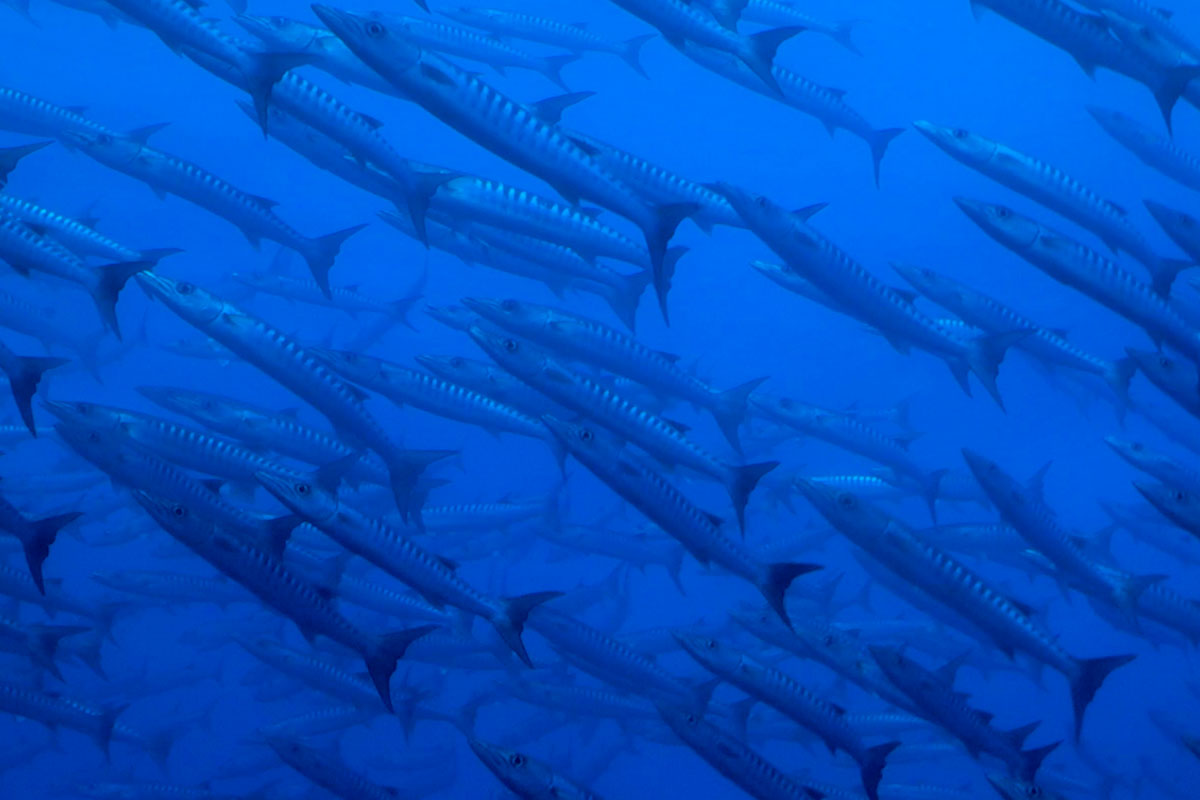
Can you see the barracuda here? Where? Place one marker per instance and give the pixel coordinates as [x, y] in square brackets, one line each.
[347, 299]
[432, 394]
[297, 370]
[75, 235]
[934, 693]
[24, 113]
[1151, 148]
[509, 129]
[525, 776]
[326, 770]
[598, 345]
[989, 314]
[852, 287]
[317, 673]
[798, 703]
[1057, 191]
[1089, 40]
[27, 252]
[1010, 627]
[576, 38]
[1155, 463]
[824, 103]
[264, 576]
[1083, 269]
[595, 401]
[167, 174]
[698, 532]
[491, 380]
[1181, 227]
[19, 313]
[394, 552]
[777, 12]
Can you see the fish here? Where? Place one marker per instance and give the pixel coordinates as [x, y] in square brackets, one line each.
[325, 769]
[1151, 148]
[526, 776]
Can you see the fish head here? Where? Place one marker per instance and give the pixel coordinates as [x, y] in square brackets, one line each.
[281, 33]
[769, 220]
[175, 517]
[1178, 224]
[963, 145]
[515, 769]
[708, 651]
[189, 301]
[1111, 120]
[1013, 788]
[687, 723]
[1013, 230]
[510, 314]
[255, 280]
[937, 287]
[110, 149]
[456, 317]
[84, 414]
[289, 750]
[371, 36]
[353, 366]
[1169, 499]
[452, 368]
[1128, 449]
[890, 659]
[844, 509]
[1163, 370]
[210, 409]
[308, 495]
[584, 441]
[515, 355]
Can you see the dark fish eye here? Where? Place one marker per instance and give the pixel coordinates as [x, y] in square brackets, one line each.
[375, 29]
[456, 362]
[959, 133]
[510, 345]
[1164, 362]
[1137, 447]
[690, 719]
[207, 405]
[179, 511]
[104, 138]
[827, 640]
[846, 500]
[762, 202]
[185, 288]
[785, 403]
[711, 644]
[516, 759]
[586, 435]
[1187, 222]
[509, 305]
[1003, 213]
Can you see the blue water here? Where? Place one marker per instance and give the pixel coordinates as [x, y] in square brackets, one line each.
[925, 60]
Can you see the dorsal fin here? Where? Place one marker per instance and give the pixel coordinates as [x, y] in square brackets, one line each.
[1037, 482]
[142, 134]
[808, 212]
[551, 109]
[265, 202]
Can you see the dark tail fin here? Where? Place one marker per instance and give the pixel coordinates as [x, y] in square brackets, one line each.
[674, 568]
[154, 255]
[985, 354]
[930, 488]
[37, 546]
[631, 51]
[43, 644]
[843, 34]
[511, 620]
[658, 236]
[10, 156]
[745, 478]
[322, 251]
[1031, 760]
[871, 768]
[552, 68]
[404, 470]
[24, 384]
[1172, 88]
[381, 661]
[763, 46]
[1085, 684]
[775, 584]
[879, 141]
[729, 409]
[1118, 377]
[112, 279]
[104, 727]
[262, 71]
[106, 616]
[159, 746]
[625, 294]
[1165, 271]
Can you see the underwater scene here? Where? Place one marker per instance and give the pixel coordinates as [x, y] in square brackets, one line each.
[637, 399]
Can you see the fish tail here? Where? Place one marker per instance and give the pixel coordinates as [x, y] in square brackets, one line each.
[112, 279]
[729, 409]
[381, 661]
[775, 584]
[159, 747]
[262, 71]
[664, 220]
[37, 546]
[631, 51]
[879, 141]
[871, 767]
[552, 68]
[931, 488]
[322, 251]
[843, 34]
[24, 384]
[1089, 675]
[156, 254]
[624, 295]
[11, 156]
[1166, 270]
[1118, 377]
[745, 478]
[1173, 85]
[762, 46]
[104, 731]
[986, 353]
[510, 622]
[1031, 760]
[43, 644]
[674, 568]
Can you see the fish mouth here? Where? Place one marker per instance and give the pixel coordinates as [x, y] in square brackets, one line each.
[493, 757]
[342, 23]
[974, 209]
[483, 306]
[928, 129]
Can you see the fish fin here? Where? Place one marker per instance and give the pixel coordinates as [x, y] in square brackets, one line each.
[510, 621]
[112, 279]
[871, 767]
[551, 109]
[24, 384]
[265, 69]
[666, 218]
[381, 662]
[11, 156]
[321, 252]
[879, 141]
[986, 353]
[729, 409]
[762, 48]
[775, 584]
[552, 68]
[1086, 682]
[42, 535]
[745, 478]
[1019, 734]
[631, 51]
[1031, 760]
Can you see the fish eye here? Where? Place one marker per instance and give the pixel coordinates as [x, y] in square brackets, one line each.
[711, 644]
[93, 437]
[456, 362]
[1137, 447]
[846, 500]
[690, 719]
[586, 435]
[510, 345]
[1163, 361]
[1186, 221]
[104, 138]
[1179, 495]
[1003, 213]
[959, 133]
[179, 512]
[303, 489]
[516, 759]
[762, 202]
[827, 640]
[185, 288]
[375, 29]
[509, 305]
[785, 403]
